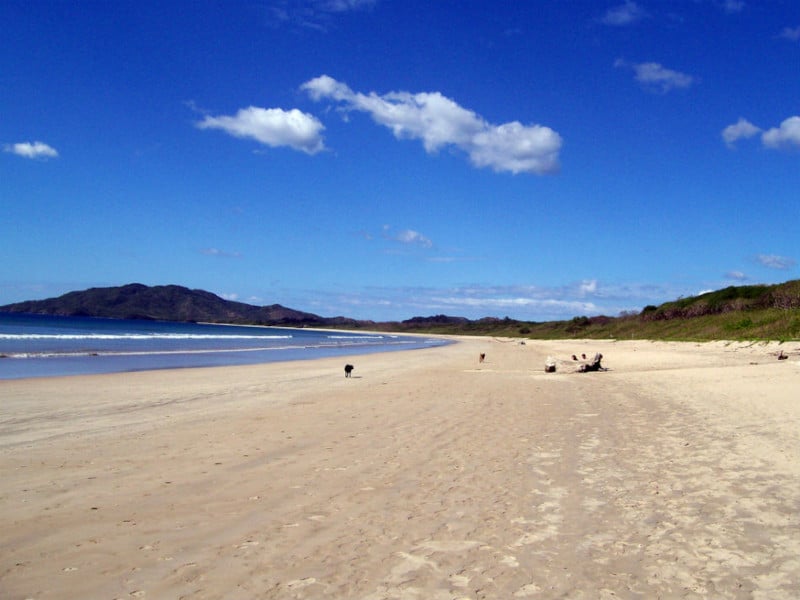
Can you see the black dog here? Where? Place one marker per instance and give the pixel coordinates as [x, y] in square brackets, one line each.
[348, 369]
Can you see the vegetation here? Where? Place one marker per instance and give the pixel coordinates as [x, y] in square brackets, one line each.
[753, 312]
[756, 312]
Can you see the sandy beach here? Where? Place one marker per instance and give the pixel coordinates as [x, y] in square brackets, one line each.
[427, 475]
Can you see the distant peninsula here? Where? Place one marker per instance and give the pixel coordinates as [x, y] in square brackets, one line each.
[752, 312]
[168, 303]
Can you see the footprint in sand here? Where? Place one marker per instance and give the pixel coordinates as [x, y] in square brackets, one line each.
[300, 583]
[448, 546]
[510, 561]
[461, 581]
[527, 590]
[410, 563]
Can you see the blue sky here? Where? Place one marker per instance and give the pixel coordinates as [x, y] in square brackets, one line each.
[390, 158]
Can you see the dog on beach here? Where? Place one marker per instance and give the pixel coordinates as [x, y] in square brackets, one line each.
[348, 369]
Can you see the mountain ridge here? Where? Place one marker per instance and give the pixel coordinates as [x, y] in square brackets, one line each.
[166, 303]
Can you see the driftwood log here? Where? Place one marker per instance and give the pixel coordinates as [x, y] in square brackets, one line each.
[594, 365]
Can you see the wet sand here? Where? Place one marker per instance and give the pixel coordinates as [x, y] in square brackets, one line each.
[427, 475]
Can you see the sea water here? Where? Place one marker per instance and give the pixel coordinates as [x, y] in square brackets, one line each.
[42, 345]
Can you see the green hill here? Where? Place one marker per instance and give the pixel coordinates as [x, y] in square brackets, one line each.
[754, 312]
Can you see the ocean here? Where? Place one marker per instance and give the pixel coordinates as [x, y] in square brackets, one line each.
[47, 346]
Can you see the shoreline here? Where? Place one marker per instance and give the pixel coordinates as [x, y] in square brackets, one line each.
[676, 473]
[23, 365]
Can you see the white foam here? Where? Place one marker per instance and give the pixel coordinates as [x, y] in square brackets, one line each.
[136, 336]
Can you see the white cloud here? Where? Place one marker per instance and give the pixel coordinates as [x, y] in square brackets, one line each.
[741, 129]
[733, 6]
[774, 261]
[313, 14]
[344, 5]
[561, 302]
[563, 307]
[440, 122]
[788, 134]
[588, 286]
[31, 150]
[737, 275]
[624, 14]
[406, 236]
[791, 33]
[220, 253]
[409, 236]
[525, 302]
[273, 127]
[655, 76]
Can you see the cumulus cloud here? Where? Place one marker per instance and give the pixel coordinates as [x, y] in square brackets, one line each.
[439, 122]
[407, 236]
[791, 33]
[272, 127]
[741, 129]
[653, 75]
[563, 307]
[774, 261]
[559, 302]
[624, 14]
[786, 135]
[588, 286]
[527, 302]
[31, 150]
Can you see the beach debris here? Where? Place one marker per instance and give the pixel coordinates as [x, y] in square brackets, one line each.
[482, 357]
[348, 370]
[550, 365]
[594, 365]
[782, 356]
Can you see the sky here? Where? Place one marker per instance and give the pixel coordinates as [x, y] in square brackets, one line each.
[385, 159]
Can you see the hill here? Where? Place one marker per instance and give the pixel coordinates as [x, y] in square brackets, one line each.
[754, 312]
[167, 303]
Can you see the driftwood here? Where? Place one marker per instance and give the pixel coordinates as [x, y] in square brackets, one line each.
[553, 364]
[594, 365]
